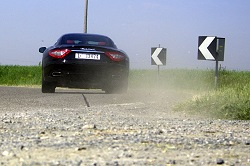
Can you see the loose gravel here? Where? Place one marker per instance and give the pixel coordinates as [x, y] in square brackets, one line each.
[143, 132]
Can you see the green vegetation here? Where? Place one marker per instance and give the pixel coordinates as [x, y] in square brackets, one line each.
[231, 100]
[20, 75]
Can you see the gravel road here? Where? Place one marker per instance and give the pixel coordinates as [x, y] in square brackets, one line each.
[81, 127]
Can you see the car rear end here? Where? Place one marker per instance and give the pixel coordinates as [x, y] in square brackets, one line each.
[86, 67]
[85, 61]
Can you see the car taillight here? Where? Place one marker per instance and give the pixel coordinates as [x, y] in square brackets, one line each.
[59, 53]
[115, 56]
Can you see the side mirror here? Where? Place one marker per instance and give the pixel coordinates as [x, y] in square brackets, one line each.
[42, 49]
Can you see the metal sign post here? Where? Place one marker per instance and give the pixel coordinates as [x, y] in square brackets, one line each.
[216, 73]
[212, 48]
[158, 57]
[158, 75]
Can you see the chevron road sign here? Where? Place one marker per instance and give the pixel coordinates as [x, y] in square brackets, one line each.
[211, 48]
[158, 56]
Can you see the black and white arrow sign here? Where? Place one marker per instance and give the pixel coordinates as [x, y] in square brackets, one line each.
[158, 56]
[207, 48]
[204, 48]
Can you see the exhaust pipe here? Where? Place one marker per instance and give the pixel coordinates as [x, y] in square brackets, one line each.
[57, 74]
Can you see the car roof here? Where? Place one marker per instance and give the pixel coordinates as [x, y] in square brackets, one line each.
[85, 34]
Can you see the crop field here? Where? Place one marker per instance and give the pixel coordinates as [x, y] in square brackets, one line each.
[230, 100]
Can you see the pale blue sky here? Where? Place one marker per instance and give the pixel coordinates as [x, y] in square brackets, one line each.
[134, 25]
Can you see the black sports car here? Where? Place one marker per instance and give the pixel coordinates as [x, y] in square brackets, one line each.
[87, 61]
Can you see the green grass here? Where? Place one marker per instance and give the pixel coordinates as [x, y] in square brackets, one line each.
[20, 75]
[231, 100]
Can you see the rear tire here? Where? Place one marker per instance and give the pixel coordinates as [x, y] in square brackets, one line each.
[48, 87]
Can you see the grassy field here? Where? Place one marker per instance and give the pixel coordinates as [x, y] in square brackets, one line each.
[231, 100]
[20, 75]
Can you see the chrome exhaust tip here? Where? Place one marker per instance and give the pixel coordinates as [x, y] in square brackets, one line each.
[57, 74]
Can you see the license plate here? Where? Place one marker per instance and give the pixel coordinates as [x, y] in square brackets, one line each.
[87, 56]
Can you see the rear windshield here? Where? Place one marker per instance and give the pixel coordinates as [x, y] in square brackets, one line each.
[95, 40]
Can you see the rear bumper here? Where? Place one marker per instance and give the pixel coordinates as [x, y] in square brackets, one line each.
[85, 75]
